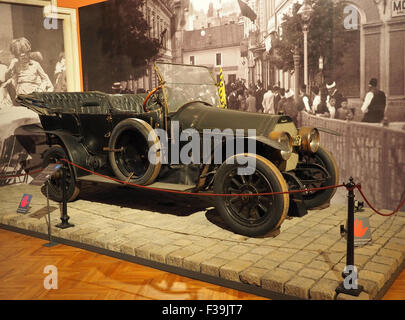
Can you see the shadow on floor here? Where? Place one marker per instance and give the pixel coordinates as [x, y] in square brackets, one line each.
[158, 201]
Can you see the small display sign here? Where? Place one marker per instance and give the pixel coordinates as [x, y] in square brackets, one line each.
[24, 204]
[45, 174]
[362, 232]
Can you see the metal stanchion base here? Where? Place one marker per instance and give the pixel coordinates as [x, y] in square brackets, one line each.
[50, 244]
[352, 292]
[64, 225]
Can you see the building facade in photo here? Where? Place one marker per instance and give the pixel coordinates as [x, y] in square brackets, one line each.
[377, 49]
[216, 47]
[160, 17]
[223, 13]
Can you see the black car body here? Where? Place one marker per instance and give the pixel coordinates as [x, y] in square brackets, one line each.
[116, 134]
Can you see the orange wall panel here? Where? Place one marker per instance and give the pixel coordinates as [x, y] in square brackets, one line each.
[74, 4]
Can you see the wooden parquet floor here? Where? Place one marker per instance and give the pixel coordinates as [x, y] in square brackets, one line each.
[84, 275]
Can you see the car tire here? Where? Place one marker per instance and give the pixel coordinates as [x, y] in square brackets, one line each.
[132, 163]
[268, 212]
[322, 198]
[54, 192]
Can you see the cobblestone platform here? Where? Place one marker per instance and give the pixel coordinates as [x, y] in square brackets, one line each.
[305, 260]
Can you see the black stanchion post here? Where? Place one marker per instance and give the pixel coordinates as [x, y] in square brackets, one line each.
[50, 244]
[350, 288]
[64, 216]
[350, 224]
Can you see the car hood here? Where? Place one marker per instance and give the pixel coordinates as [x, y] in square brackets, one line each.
[199, 116]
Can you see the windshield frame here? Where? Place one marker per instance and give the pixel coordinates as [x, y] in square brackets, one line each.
[163, 84]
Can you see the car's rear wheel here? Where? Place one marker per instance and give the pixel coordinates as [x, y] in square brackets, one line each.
[131, 149]
[54, 184]
[251, 215]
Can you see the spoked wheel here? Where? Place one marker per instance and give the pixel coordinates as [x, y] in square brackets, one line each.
[251, 215]
[53, 155]
[132, 148]
[133, 157]
[326, 175]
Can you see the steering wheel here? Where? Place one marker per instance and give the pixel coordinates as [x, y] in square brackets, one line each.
[150, 94]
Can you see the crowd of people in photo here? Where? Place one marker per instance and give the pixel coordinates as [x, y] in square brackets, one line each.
[326, 101]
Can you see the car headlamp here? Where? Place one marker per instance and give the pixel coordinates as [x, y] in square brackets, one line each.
[310, 139]
[286, 143]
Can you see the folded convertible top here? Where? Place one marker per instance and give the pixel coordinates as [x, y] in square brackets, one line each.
[50, 103]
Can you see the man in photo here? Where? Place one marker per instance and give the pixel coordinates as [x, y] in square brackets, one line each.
[374, 103]
[303, 102]
[334, 93]
[268, 101]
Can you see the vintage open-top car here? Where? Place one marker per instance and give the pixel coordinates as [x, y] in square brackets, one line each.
[122, 136]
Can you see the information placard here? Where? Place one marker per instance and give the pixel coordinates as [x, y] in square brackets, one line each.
[362, 231]
[24, 205]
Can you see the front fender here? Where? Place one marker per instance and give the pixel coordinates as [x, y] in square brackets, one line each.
[268, 142]
[219, 149]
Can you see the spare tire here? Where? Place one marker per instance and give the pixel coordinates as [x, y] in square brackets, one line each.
[129, 152]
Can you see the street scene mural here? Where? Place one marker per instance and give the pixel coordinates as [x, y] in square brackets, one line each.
[255, 144]
[335, 64]
[31, 60]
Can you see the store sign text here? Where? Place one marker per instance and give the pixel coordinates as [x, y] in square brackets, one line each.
[398, 8]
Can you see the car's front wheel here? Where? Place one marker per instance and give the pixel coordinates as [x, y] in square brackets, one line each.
[251, 215]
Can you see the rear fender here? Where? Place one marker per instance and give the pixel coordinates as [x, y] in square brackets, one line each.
[76, 152]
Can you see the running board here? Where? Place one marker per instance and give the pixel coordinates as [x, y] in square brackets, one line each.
[156, 185]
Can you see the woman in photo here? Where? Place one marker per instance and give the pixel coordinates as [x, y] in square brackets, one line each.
[26, 73]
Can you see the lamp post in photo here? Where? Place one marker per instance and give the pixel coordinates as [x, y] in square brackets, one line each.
[306, 11]
[296, 73]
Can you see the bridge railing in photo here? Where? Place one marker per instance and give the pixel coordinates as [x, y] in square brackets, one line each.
[370, 153]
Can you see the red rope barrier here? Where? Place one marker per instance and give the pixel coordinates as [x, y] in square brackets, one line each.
[202, 194]
[375, 210]
[223, 195]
